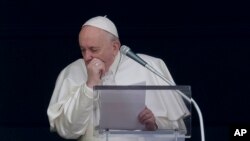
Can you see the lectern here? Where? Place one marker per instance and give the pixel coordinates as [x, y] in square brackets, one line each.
[117, 107]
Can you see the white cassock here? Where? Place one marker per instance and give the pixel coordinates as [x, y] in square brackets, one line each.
[70, 111]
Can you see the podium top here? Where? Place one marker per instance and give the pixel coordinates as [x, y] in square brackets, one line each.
[140, 87]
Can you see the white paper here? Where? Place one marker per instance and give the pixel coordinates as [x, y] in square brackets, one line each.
[119, 109]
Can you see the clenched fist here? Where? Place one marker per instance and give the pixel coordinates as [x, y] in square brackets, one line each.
[95, 70]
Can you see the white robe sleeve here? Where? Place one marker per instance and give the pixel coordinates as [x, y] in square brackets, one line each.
[70, 108]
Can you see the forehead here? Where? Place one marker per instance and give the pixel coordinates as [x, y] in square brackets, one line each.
[91, 36]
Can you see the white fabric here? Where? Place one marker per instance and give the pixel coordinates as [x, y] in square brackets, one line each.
[103, 23]
[71, 106]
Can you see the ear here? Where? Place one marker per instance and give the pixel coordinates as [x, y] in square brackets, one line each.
[116, 46]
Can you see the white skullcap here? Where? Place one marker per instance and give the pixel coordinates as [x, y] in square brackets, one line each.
[102, 23]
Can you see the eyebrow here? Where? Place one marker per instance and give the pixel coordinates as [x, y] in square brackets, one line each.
[92, 47]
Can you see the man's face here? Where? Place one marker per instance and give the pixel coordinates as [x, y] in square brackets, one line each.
[96, 43]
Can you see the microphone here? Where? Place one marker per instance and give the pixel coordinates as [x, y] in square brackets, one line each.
[126, 51]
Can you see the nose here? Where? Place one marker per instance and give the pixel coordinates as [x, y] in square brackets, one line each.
[87, 56]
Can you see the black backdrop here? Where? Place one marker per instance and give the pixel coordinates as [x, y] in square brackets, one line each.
[204, 44]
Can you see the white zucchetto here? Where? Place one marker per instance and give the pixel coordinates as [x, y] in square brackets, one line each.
[102, 23]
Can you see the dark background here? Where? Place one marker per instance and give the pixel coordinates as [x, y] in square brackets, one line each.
[204, 44]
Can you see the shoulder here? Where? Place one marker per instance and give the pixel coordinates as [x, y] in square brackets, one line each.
[150, 59]
[144, 56]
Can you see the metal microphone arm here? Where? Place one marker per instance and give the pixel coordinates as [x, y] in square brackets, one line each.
[167, 81]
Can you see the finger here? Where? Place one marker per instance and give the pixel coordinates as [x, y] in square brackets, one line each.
[150, 123]
[150, 120]
[143, 112]
[100, 65]
[102, 69]
[94, 70]
[97, 63]
[146, 113]
[146, 117]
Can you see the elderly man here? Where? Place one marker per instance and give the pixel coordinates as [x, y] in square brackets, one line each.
[71, 106]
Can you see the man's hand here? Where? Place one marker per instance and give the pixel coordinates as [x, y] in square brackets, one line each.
[95, 70]
[147, 118]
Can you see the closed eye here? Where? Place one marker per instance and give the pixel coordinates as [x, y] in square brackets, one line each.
[90, 49]
[94, 49]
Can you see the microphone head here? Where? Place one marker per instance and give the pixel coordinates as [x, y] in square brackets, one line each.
[124, 49]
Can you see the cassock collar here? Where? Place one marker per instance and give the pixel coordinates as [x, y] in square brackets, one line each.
[113, 68]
